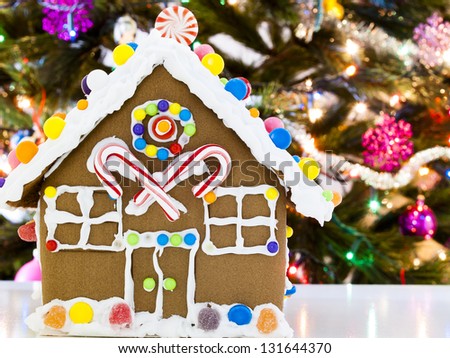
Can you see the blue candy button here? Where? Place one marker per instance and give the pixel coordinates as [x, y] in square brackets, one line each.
[240, 314]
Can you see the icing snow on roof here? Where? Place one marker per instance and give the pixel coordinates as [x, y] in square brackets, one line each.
[184, 65]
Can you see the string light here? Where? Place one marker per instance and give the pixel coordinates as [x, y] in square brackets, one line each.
[360, 107]
[416, 262]
[447, 173]
[424, 171]
[351, 47]
[374, 205]
[394, 100]
[315, 114]
[351, 70]
[442, 255]
[23, 102]
[292, 270]
[232, 2]
[349, 255]
[308, 83]
[377, 180]
[2, 38]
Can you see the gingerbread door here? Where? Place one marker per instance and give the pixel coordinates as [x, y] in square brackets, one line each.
[160, 272]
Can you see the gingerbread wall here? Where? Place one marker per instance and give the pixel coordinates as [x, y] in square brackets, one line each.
[248, 279]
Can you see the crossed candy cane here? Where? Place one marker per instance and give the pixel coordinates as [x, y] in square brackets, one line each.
[178, 171]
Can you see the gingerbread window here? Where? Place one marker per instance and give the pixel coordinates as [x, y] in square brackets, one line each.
[73, 213]
[251, 230]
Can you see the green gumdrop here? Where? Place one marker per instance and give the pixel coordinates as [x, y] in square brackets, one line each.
[328, 195]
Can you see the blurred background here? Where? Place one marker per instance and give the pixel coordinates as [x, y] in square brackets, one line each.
[362, 86]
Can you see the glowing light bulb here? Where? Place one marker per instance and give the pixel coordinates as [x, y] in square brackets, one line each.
[23, 102]
[374, 205]
[354, 173]
[447, 173]
[232, 2]
[394, 100]
[360, 107]
[351, 70]
[308, 83]
[351, 47]
[446, 56]
[349, 255]
[424, 171]
[315, 114]
[2, 38]
[196, 44]
[292, 270]
[416, 262]
[443, 256]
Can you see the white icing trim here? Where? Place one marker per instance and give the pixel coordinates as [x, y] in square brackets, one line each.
[85, 198]
[184, 66]
[239, 248]
[146, 324]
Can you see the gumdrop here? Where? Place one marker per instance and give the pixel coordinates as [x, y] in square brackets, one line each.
[27, 232]
[208, 319]
[267, 321]
[120, 315]
[240, 314]
[81, 313]
[55, 317]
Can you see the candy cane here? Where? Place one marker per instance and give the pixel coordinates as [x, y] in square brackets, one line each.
[109, 151]
[177, 172]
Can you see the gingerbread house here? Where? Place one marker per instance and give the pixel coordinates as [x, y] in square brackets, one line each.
[161, 206]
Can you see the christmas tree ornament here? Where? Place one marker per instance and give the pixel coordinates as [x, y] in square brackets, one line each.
[66, 18]
[125, 30]
[388, 144]
[418, 220]
[310, 14]
[433, 39]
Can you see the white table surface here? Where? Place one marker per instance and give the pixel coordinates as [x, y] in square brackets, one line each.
[315, 311]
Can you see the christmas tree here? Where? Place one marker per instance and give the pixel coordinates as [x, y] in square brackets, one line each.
[362, 86]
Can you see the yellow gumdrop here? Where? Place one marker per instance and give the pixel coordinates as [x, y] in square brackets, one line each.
[55, 317]
[289, 232]
[310, 168]
[175, 108]
[50, 192]
[267, 321]
[272, 193]
[210, 197]
[151, 150]
[25, 151]
[214, 63]
[53, 127]
[122, 53]
[81, 312]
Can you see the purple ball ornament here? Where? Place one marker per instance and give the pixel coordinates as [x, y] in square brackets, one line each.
[388, 144]
[418, 220]
[67, 18]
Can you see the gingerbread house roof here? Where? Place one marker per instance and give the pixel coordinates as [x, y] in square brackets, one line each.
[184, 65]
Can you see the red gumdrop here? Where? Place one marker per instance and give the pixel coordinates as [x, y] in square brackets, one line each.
[27, 232]
[249, 87]
[120, 315]
[175, 148]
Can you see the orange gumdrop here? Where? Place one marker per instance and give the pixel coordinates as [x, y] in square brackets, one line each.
[55, 317]
[25, 151]
[337, 198]
[267, 321]
[60, 115]
[82, 104]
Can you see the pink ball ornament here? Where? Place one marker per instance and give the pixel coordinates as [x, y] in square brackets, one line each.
[202, 50]
[29, 272]
[12, 159]
[272, 123]
[418, 220]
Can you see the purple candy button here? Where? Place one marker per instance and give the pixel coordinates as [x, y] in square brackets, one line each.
[272, 247]
[138, 129]
[163, 105]
[2, 182]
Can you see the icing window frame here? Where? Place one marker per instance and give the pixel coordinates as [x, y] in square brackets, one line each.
[85, 198]
[271, 248]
